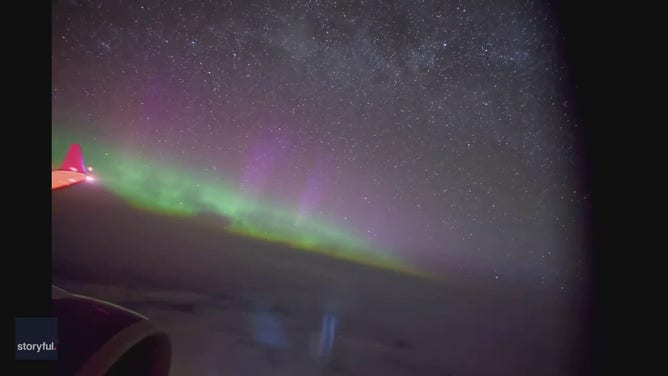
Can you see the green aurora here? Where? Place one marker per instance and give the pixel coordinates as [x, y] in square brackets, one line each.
[171, 188]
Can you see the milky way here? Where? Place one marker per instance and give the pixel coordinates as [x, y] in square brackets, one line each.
[437, 133]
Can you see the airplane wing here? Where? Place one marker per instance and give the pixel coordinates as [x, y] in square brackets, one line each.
[72, 171]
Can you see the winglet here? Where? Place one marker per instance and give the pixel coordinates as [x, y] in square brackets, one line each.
[72, 171]
[74, 160]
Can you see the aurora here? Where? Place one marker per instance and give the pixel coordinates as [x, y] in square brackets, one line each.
[171, 188]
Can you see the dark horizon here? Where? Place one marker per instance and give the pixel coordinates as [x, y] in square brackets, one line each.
[201, 283]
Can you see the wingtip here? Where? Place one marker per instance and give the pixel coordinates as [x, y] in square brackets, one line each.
[74, 160]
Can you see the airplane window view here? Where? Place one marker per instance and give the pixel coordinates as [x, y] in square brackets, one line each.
[316, 188]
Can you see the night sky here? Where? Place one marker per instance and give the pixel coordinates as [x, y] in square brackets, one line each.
[434, 133]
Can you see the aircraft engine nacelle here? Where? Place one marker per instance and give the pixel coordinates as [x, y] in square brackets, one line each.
[99, 338]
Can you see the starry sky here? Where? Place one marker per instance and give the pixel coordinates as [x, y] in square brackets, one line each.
[435, 134]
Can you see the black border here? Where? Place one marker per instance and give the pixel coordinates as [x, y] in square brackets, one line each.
[28, 152]
[586, 47]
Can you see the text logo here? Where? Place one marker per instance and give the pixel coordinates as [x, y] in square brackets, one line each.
[36, 338]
